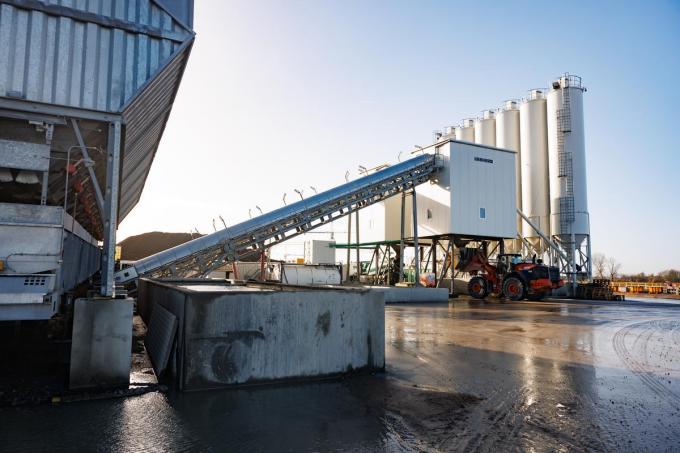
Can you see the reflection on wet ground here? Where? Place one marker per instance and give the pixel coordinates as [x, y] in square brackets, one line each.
[468, 376]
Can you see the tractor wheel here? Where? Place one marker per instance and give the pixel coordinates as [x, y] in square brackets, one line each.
[477, 288]
[513, 288]
[536, 296]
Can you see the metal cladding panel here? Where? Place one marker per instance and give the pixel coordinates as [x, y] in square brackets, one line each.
[474, 177]
[145, 118]
[80, 259]
[574, 147]
[534, 150]
[392, 207]
[94, 54]
[482, 178]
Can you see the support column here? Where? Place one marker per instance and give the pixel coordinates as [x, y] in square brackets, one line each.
[573, 264]
[111, 208]
[401, 238]
[589, 257]
[416, 247]
[389, 265]
[358, 249]
[452, 254]
[262, 264]
[434, 263]
[349, 241]
[43, 188]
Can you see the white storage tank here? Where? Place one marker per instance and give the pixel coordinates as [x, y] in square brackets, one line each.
[507, 137]
[534, 159]
[485, 129]
[466, 132]
[567, 158]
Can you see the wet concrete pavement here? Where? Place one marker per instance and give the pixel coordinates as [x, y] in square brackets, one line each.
[466, 376]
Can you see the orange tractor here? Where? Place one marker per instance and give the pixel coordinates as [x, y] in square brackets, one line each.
[509, 277]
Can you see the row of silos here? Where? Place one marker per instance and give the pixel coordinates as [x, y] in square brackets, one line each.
[546, 130]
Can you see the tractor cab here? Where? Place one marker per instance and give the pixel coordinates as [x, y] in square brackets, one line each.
[506, 262]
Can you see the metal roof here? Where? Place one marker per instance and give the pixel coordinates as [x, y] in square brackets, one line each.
[145, 119]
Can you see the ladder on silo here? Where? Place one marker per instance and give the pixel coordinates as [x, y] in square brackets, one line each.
[565, 164]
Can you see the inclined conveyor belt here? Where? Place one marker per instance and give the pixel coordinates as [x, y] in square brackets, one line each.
[199, 257]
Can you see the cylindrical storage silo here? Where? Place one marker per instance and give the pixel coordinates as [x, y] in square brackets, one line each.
[450, 132]
[507, 137]
[567, 159]
[534, 158]
[466, 132]
[485, 129]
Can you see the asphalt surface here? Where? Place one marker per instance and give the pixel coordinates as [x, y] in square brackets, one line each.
[463, 376]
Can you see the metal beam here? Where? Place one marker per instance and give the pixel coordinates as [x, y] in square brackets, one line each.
[49, 119]
[23, 105]
[89, 164]
[111, 208]
[93, 18]
[543, 236]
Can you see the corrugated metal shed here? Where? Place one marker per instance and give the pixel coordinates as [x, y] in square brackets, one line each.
[104, 56]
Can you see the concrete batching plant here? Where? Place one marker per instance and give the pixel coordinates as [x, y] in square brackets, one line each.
[546, 130]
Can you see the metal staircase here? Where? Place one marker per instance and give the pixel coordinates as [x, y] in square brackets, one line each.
[199, 257]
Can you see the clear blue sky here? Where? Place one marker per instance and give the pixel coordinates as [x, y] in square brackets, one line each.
[290, 94]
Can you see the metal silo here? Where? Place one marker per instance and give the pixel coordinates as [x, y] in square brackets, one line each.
[466, 132]
[534, 159]
[508, 137]
[569, 223]
[485, 129]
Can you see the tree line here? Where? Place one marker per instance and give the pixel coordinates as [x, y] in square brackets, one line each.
[608, 267]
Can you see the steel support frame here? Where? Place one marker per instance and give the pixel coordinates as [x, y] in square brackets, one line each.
[111, 208]
[89, 164]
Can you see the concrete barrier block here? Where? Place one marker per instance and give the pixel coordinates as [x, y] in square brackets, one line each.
[102, 343]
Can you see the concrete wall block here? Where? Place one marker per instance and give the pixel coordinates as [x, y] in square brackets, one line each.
[240, 337]
[236, 339]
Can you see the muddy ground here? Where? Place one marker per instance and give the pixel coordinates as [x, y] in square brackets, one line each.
[463, 376]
